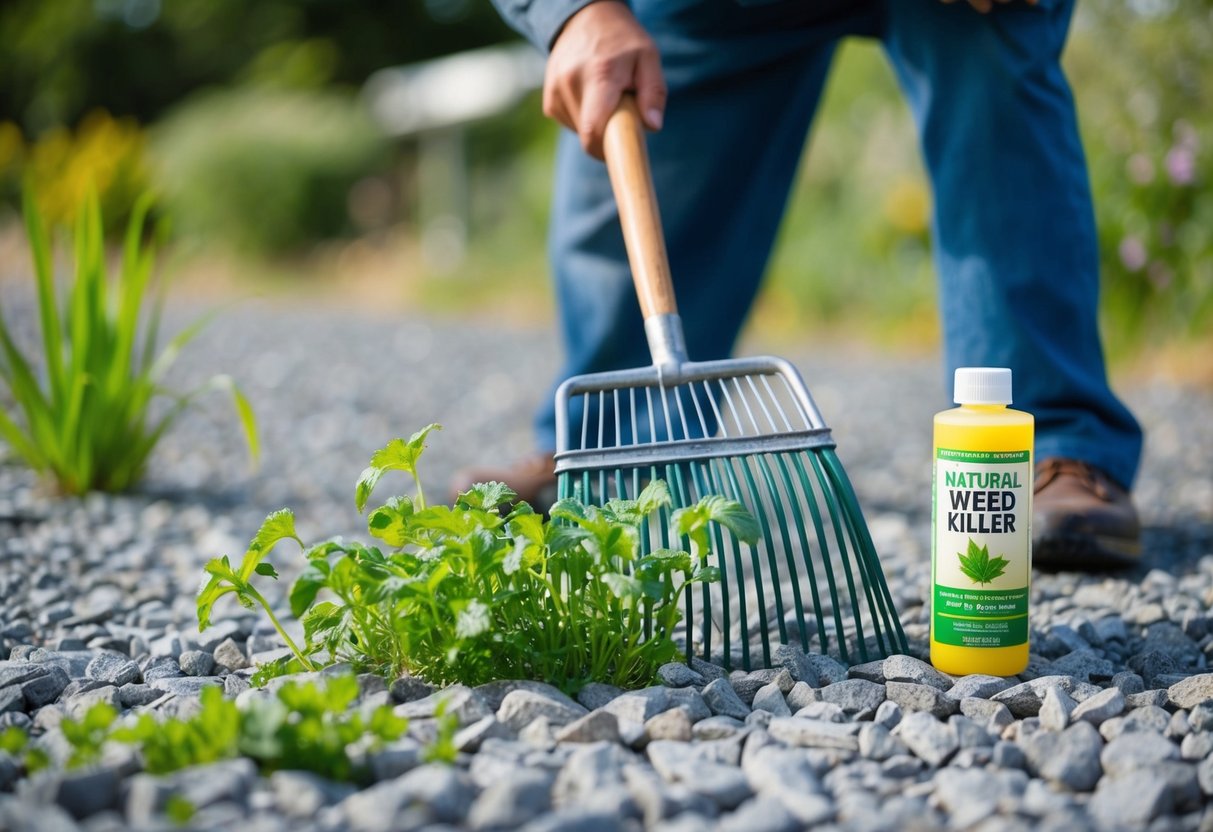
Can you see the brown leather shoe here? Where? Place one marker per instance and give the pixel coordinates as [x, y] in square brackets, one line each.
[532, 477]
[1081, 518]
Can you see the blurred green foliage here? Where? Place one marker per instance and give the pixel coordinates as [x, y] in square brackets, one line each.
[262, 170]
[188, 86]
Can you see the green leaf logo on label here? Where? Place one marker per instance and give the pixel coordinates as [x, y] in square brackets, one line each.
[979, 566]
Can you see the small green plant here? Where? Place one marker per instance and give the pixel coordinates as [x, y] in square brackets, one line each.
[308, 726]
[979, 566]
[87, 424]
[465, 594]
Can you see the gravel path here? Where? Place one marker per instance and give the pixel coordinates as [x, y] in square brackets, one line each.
[1110, 728]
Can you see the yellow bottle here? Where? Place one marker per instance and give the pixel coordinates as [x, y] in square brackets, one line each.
[981, 533]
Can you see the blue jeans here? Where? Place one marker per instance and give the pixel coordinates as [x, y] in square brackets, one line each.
[1014, 231]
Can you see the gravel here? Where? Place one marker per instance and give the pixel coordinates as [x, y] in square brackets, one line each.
[1111, 726]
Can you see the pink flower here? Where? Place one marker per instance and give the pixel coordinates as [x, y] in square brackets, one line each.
[1181, 165]
[1160, 274]
[1132, 253]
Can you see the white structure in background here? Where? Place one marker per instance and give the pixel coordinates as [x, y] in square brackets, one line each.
[433, 102]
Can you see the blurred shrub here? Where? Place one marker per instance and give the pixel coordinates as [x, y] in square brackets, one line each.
[1147, 119]
[265, 169]
[102, 156]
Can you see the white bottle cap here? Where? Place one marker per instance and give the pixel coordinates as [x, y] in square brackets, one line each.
[982, 385]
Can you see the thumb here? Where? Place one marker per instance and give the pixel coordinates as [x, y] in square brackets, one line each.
[650, 89]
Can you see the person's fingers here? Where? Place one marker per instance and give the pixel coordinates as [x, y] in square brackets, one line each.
[650, 89]
[561, 98]
[604, 83]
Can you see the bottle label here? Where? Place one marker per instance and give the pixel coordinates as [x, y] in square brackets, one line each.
[982, 509]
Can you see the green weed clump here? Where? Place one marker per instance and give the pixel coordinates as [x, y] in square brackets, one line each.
[467, 594]
[315, 726]
[82, 413]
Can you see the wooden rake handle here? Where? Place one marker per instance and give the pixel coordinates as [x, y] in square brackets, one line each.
[632, 181]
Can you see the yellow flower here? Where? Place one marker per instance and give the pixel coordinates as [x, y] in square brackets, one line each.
[907, 206]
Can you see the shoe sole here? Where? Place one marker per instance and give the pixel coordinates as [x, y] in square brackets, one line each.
[1085, 552]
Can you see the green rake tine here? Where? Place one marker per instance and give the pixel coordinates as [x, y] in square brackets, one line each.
[887, 607]
[782, 521]
[823, 541]
[710, 484]
[838, 523]
[678, 488]
[790, 491]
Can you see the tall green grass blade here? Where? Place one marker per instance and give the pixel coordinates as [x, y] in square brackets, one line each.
[244, 412]
[20, 442]
[133, 280]
[44, 277]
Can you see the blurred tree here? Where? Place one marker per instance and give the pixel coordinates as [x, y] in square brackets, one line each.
[62, 58]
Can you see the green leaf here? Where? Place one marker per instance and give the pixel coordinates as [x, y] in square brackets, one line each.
[307, 586]
[267, 569]
[397, 455]
[390, 522]
[978, 566]
[221, 582]
[487, 496]
[278, 526]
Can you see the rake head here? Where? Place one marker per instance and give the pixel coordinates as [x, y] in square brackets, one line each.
[746, 429]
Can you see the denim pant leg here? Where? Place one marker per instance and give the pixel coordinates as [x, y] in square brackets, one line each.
[1015, 244]
[722, 166]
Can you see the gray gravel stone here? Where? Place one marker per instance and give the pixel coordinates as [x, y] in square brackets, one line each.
[855, 696]
[639, 705]
[814, 733]
[113, 669]
[596, 726]
[511, 802]
[970, 796]
[1136, 750]
[723, 700]
[1055, 710]
[409, 689]
[1192, 691]
[674, 724]
[791, 658]
[1131, 803]
[678, 675]
[45, 688]
[876, 742]
[1070, 758]
[469, 706]
[979, 686]
[726, 785]
[912, 696]
[229, 655]
[186, 685]
[760, 814]
[910, 669]
[196, 663]
[1025, 699]
[302, 794]
[785, 775]
[691, 701]
[1101, 707]
[597, 694]
[441, 793]
[802, 694]
[930, 740]
[770, 698]
[827, 669]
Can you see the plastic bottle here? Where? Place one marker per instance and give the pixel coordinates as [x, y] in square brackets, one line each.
[981, 512]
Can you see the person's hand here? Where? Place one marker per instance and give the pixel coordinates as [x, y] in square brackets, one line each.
[602, 52]
[985, 6]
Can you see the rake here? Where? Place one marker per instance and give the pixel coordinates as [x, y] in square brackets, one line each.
[746, 429]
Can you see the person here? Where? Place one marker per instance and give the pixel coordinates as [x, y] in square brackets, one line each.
[728, 89]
